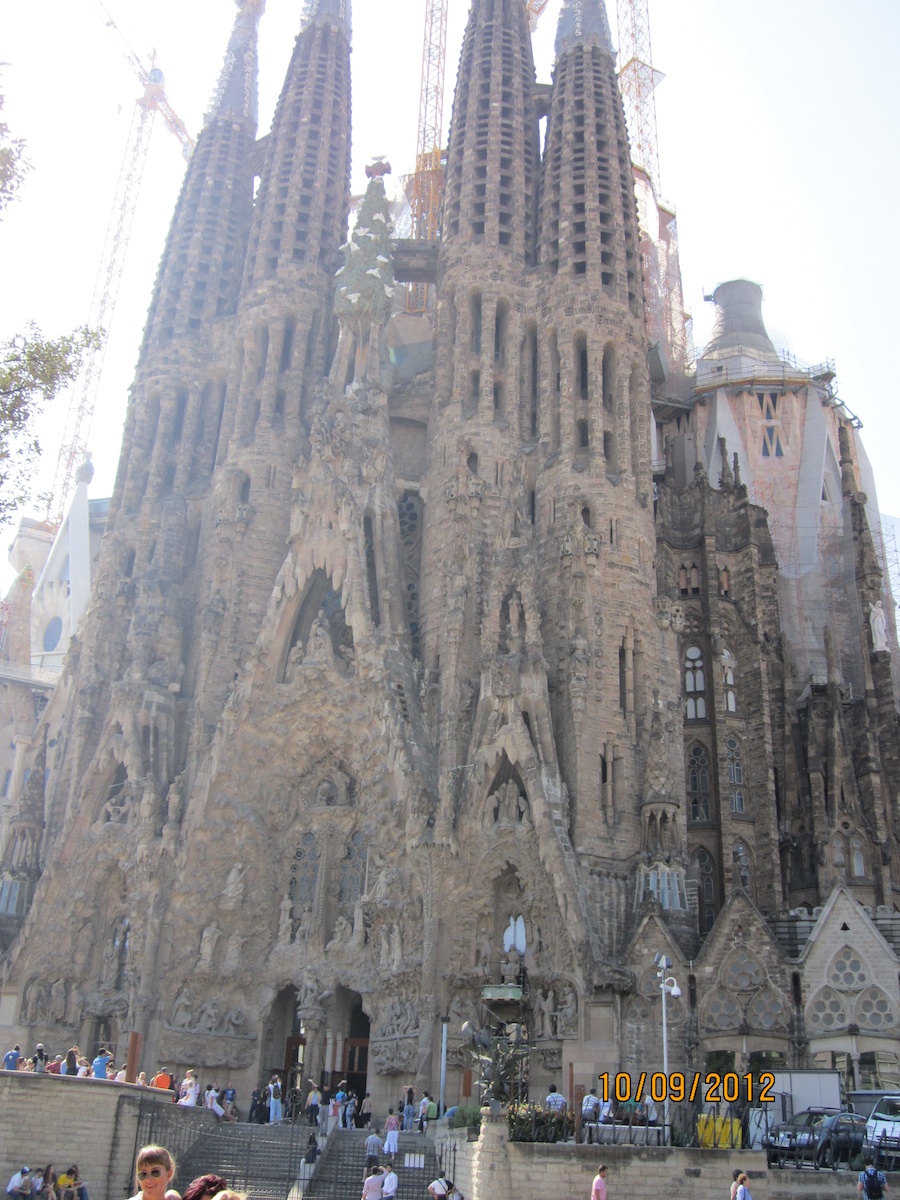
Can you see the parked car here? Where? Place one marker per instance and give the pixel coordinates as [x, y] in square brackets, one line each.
[883, 1128]
[821, 1136]
[841, 1137]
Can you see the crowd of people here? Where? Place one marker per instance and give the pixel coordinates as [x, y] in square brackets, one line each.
[45, 1182]
[73, 1062]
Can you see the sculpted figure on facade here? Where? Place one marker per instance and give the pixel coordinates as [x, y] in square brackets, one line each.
[878, 626]
[567, 1013]
[319, 647]
[233, 891]
[209, 939]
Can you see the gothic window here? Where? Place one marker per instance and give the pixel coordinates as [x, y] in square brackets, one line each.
[698, 783]
[304, 872]
[874, 1009]
[118, 951]
[371, 568]
[743, 971]
[410, 511]
[694, 684]
[741, 859]
[859, 861]
[729, 667]
[838, 856]
[735, 775]
[353, 869]
[514, 935]
[9, 897]
[767, 1011]
[706, 889]
[771, 446]
[847, 969]
[827, 1010]
[723, 1011]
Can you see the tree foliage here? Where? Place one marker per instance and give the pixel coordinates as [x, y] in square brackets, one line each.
[33, 369]
[13, 163]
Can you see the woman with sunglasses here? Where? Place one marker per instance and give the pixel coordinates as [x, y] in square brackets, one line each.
[155, 1170]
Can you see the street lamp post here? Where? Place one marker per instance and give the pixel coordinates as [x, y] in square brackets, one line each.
[668, 986]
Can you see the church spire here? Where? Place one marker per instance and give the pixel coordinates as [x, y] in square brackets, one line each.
[583, 23]
[235, 96]
[335, 13]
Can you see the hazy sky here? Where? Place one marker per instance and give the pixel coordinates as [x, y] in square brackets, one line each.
[778, 147]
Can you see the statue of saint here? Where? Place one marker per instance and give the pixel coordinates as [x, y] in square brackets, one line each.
[319, 648]
[878, 626]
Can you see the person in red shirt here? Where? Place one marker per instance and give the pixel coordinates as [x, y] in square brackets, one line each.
[53, 1067]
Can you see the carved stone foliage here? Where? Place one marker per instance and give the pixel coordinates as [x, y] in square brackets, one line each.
[206, 1050]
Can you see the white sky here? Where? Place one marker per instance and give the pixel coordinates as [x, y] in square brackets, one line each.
[778, 146]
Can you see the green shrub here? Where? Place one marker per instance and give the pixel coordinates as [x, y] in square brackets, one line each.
[466, 1114]
[533, 1123]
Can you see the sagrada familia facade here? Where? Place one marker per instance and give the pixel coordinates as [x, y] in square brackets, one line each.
[446, 678]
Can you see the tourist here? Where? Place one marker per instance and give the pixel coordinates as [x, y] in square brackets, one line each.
[312, 1149]
[55, 1067]
[440, 1187]
[313, 1103]
[162, 1079]
[423, 1112]
[556, 1101]
[211, 1101]
[204, 1187]
[431, 1112]
[71, 1063]
[350, 1111]
[743, 1188]
[40, 1060]
[71, 1186]
[374, 1148]
[276, 1109]
[120, 1074]
[598, 1188]
[254, 1105]
[341, 1096]
[142, 1079]
[155, 1170]
[189, 1093]
[365, 1111]
[870, 1182]
[44, 1183]
[389, 1183]
[101, 1063]
[392, 1133]
[372, 1184]
[11, 1059]
[20, 1184]
[84, 1067]
[228, 1102]
[735, 1176]
[409, 1110]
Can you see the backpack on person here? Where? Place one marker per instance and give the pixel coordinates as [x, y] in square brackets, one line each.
[276, 1091]
[873, 1184]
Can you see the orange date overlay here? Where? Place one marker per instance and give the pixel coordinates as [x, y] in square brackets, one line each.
[715, 1087]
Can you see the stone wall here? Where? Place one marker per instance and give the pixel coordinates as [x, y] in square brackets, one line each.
[62, 1120]
[493, 1168]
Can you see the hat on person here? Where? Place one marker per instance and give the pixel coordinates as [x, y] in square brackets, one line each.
[25, 1170]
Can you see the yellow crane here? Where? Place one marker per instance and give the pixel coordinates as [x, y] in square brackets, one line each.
[153, 99]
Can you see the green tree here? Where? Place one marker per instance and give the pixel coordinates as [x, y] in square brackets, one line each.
[33, 369]
[13, 163]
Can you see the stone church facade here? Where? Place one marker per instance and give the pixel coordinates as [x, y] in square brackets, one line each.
[461, 684]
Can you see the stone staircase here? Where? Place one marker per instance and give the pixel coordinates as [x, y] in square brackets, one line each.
[264, 1160]
[339, 1172]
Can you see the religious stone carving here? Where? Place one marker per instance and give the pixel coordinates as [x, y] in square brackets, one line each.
[545, 1014]
[878, 626]
[319, 648]
[567, 1013]
[233, 891]
[209, 939]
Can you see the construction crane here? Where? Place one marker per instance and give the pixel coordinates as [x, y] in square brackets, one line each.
[153, 100]
[427, 184]
[638, 81]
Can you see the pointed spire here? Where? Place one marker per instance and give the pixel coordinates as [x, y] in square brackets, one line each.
[582, 23]
[323, 12]
[235, 96]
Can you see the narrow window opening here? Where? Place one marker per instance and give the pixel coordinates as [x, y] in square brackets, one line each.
[371, 572]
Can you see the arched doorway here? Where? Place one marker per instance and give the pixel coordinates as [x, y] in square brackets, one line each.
[356, 1050]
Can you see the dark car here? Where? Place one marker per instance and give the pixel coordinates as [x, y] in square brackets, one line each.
[821, 1136]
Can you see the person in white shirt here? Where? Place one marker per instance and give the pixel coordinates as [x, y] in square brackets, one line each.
[389, 1183]
[555, 1101]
